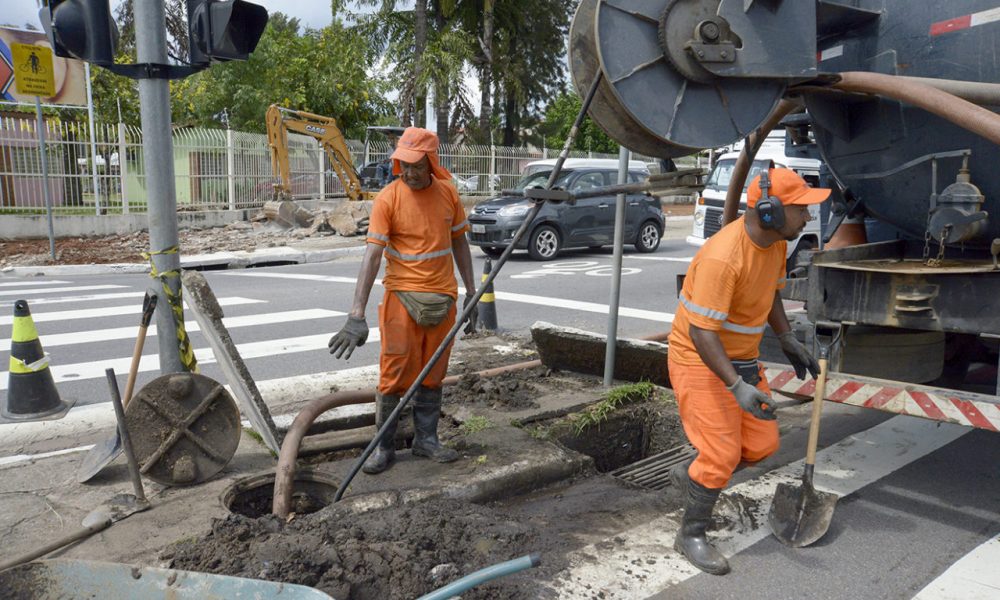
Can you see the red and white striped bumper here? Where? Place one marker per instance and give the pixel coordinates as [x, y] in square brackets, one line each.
[939, 404]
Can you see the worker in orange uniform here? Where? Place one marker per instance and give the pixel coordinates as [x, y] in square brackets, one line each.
[419, 223]
[730, 293]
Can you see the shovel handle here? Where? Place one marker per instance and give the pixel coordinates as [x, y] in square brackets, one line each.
[817, 408]
[148, 306]
[53, 546]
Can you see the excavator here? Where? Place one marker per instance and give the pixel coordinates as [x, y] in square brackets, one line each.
[281, 120]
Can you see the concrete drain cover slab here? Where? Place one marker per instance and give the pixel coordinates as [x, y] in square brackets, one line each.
[185, 428]
[653, 472]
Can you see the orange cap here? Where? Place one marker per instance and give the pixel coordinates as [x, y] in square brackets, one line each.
[413, 145]
[788, 187]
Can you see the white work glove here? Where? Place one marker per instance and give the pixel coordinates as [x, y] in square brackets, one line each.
[752, 400]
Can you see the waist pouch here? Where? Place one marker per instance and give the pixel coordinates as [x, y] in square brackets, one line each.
[426, 308]
[748, 370]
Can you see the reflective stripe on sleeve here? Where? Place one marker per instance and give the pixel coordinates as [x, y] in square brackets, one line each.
[378, 236]
[705, 312]
[460, 226]
[730, 326]
[395, 253]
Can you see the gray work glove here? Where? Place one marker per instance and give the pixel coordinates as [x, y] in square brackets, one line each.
[354, 334]
[798, 356]
[752, 400]
[473, 316]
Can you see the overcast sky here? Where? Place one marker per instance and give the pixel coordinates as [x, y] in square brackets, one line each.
[312, 13]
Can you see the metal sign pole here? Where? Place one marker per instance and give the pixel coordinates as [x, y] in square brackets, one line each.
[93, 141]
[40, 124]
[616, 269]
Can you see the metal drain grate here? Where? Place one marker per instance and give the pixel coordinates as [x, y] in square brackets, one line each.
[653, 472]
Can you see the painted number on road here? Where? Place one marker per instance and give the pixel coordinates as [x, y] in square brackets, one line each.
[579, 267]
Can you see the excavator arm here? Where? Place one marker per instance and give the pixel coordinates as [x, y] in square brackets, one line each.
[324, 129]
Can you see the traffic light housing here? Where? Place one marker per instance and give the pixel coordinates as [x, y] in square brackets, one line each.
[221, 30]
[82, 29]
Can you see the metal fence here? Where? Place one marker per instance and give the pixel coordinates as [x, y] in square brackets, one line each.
[214, 168]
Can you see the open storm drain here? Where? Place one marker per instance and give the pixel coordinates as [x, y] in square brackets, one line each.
[253, 496]
[653, 472]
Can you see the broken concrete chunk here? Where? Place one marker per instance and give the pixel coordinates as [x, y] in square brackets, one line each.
[582, 351]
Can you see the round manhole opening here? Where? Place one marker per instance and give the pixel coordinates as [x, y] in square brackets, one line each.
[253, 496]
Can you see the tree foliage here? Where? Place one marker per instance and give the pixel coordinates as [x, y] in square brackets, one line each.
[559, 118]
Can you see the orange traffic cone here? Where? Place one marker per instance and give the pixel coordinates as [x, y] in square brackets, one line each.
[850, 233]
[31, 392]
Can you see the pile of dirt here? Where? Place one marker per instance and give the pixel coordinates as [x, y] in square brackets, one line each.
[508, 392]
[404, 554]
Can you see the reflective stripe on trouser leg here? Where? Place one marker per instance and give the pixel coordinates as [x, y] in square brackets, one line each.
[406, 347]
[715, 424]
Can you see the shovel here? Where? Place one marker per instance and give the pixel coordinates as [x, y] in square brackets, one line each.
[800, 515]
[119, 507]
[110, 448]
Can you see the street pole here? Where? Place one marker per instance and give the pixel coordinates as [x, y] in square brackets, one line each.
[158, 158]
[616, 269]
[93, 140]
[46, 192]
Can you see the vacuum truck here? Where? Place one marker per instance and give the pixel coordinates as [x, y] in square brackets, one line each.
[900, 97]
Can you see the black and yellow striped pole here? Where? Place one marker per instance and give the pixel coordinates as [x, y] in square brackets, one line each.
[487, 303]
[31, 391]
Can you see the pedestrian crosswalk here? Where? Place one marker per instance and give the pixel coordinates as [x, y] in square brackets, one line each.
[87, 327]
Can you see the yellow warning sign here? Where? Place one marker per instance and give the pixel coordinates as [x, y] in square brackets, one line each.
[33, 73]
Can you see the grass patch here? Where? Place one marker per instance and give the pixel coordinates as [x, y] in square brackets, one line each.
[475, 425]
[260, 440]
[613, 400]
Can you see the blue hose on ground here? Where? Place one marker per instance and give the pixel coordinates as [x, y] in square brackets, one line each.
[482, 576]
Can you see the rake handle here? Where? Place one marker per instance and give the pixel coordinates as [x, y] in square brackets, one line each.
[817, 409]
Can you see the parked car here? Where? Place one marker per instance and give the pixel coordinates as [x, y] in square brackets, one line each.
[589, 223]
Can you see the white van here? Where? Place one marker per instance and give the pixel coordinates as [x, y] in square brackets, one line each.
[708, 210]
[583, 163]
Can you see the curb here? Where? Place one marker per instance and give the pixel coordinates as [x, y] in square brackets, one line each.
[240, 259]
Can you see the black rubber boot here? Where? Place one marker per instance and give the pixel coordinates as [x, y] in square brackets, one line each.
[679, 476]
[385, 452]
[426, 412]
[691, 540]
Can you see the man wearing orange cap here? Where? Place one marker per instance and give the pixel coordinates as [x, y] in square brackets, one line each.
[419, 223]
[730, 293]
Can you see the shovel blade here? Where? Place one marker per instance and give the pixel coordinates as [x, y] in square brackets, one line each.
[800, 515]
[99, 457]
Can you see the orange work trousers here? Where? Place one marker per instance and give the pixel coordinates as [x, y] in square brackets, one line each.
[721, 431]
[406, 347]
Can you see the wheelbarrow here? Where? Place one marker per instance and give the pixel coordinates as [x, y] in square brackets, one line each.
[70, 579]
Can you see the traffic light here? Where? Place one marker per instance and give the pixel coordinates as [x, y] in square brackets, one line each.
[222, 30]
[81, 29]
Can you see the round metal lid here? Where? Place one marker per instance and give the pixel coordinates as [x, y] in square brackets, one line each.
[184, 427]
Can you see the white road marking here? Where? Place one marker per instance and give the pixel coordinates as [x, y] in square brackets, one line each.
[637, 313]
[973, 577]
[19, 458]
[111, 311]
[29, 282]
[87, 298]
[151, 362]
[843, 468]
[52, 340]
[661, 258]
[80, 288]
